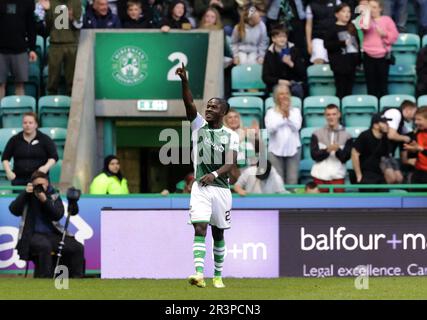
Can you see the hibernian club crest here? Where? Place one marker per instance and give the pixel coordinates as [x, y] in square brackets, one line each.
[129, 65]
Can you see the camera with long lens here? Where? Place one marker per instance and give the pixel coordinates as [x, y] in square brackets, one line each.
[73, 195]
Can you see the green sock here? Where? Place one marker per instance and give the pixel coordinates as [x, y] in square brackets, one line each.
[199, 252]
[219, 252]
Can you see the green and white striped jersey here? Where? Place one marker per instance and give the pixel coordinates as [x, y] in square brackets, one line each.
[210, 147]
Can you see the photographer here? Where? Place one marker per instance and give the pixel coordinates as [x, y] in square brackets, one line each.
[40, 232]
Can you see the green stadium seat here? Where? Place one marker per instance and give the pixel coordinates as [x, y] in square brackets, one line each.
[358, 109]
[250, 108]
[40, 48]
[412, 20]
[295, 102]
[402, 79]
[13, 107]
[359, 86]
[394, 100]
[356, 131]
[5, 135]
[321, 80]
[405, 49]
[246, 79]
[58, 135]
[54, 111]
[422, 101]
[305, 171]
[306, 134]
[32, 86]
[314, 108]
[424, 41]
[55, 172]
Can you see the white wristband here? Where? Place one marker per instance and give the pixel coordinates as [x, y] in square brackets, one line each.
[215, 174]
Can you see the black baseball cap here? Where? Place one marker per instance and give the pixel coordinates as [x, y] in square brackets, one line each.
[378, 117]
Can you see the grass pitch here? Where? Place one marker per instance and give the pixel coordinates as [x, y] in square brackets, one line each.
[237, 289]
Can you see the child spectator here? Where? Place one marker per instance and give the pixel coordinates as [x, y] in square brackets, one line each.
[331, 149]
[176, 17]
[211, 20]
[379, 35]
[419, 147]
[135, 18]
[283, 123]
[342, 44]
[319, 18]
[249, 40]
[226, 8]
[283, 64]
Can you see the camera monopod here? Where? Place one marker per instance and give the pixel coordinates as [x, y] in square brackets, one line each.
[73, 196]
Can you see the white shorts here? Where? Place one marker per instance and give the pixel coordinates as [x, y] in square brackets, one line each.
[212, 205]
[319, 51]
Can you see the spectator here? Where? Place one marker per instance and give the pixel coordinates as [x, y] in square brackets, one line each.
[153, 12]
[17, 42]
[311, 187]
[259, 180]
[226, 8]
[372, 161]
[249, 142]
[421, 68]
[135, 18]
[422, 17]
[283, 64]
[291, 15]
[31, 151]
[249, 40]
[342, 43]
[319, 18]
[330, 149]
[398, 132]
[283, 123]
[211, 20]
[63, 43]
[418, 146]
[379, 34]
[176, 17]
[100, 16]
[41, 209]
[110, 180]
[398, 10]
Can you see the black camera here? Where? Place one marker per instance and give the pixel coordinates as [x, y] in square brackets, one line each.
[38, 188]
[73, 195]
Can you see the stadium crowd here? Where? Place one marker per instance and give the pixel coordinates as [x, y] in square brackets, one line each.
[285, 37]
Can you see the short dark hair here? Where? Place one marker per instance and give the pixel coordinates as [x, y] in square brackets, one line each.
[332, 106]
[31, 114]
[311, 185]
[407, 104]
[39, 174]
[278, 30]
[223, 103]
[131, 3]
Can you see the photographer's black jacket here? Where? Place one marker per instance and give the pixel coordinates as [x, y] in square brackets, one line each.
[27, 206]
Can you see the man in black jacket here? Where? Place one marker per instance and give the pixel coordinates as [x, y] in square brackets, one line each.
[17, 42]
[40, 209]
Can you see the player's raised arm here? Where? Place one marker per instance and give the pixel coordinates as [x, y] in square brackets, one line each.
[190, 107]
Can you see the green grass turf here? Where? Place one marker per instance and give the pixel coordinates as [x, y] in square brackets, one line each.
[247, 289]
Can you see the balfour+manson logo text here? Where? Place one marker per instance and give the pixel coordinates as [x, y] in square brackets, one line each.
[129, 65]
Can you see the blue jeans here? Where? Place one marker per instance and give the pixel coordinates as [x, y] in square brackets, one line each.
[422, 15]
[287, 167]
[398, 10]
